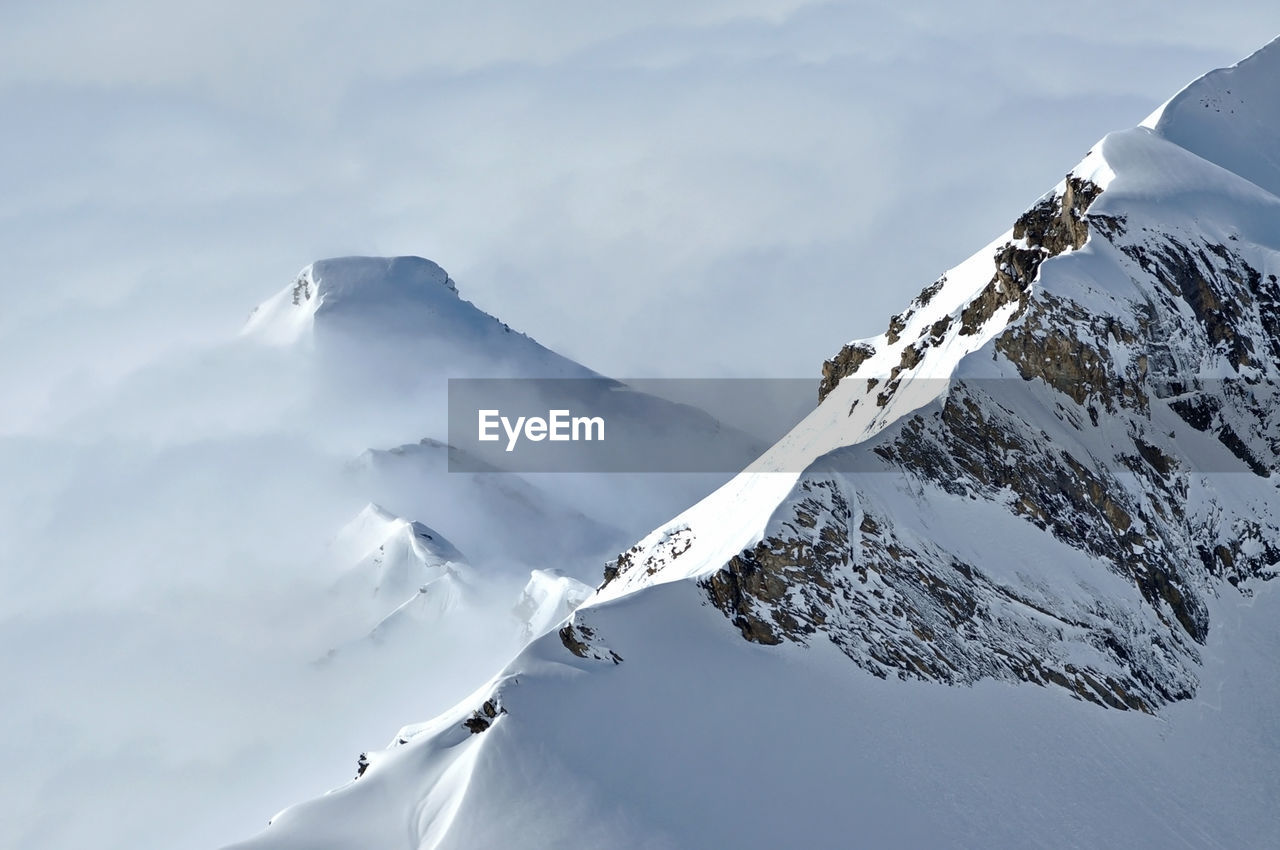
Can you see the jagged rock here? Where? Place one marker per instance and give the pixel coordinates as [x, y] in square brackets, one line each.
[1054, 225]
[482, 718]
[1058, 223]
[845, 363]
[579, 639]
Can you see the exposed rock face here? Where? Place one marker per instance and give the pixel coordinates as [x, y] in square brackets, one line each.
[1046, 230]
[582, 641]
[845, 363]
[801, 566]
[676, 542]
[301, 289]
[899, 607]
[1074, 358]
[1058, 223]
[1054, 225]
[1111, 483]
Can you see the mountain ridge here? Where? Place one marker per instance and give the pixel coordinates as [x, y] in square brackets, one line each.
[1056, 468]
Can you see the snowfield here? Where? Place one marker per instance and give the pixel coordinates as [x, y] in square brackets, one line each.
[699, 739]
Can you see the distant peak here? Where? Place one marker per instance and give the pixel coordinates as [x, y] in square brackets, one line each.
[379, 534]
[353, 273]
[385, 283]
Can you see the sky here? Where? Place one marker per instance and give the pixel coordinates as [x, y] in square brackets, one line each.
[667, 189]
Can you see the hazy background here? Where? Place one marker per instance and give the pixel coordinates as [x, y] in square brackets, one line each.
[659, 189]
[666, 189]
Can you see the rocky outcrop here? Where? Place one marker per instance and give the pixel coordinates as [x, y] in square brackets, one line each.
[1110, 484]
[582, 641]
[1056, 224]
[845, 363]
[1053, 226]
[675, 543]
[301, 289]
[783, 587]
[482, 718]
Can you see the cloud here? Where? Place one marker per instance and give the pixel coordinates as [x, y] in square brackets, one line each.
[605, 179]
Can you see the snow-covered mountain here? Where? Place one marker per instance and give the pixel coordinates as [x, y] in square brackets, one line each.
[393, 556]
[384, 334]
[1051, 485]
[409, 299]
[374, 342]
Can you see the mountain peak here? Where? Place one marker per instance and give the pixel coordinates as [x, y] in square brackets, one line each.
[356, 285]
[1230, 117]
[399, 275]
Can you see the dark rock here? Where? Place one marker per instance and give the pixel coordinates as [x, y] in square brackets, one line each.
[482, 718]
[845, 363]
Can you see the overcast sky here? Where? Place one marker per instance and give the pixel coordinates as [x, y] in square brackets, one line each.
[667, 188]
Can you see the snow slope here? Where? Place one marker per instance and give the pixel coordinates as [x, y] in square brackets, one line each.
[698, 739]
[393, 555]
[1228, 117]
[1056, 468]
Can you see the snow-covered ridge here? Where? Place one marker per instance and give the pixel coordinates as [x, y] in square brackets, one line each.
[1229, 117]
[1047, 401]
[870, 385]
[369, 318]
[392, 555]
[547, 600]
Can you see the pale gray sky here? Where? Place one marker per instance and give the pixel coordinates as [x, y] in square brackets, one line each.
[658, 189]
